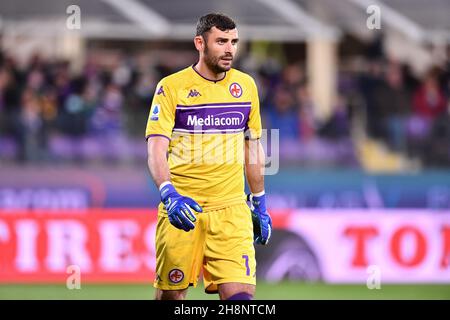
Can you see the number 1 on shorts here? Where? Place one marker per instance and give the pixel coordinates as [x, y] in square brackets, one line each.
[246, 264]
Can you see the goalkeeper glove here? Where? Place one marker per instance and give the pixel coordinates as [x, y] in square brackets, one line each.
[179, 208]
[262, 223]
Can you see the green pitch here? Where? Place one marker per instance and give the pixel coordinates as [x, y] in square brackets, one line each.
[284, 290]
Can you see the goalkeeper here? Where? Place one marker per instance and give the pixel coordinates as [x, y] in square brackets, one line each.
[211, 111]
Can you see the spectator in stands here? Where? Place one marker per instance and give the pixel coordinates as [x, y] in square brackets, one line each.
[429, 104]
[369, 84]
[306, 107]
[292, 77]
[437, 148]
[337, 126]
[61, 82]
[75, 113]
[393, 105]
[283, 115]
[429, 98]
[31, 133]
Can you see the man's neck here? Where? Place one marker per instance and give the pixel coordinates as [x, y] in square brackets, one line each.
[207, 73]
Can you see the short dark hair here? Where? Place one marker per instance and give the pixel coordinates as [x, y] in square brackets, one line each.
[218, 20]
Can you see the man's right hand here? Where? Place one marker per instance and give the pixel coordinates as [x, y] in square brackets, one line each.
[179, 208]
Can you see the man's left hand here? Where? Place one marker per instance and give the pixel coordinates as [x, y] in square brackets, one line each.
[262, 222]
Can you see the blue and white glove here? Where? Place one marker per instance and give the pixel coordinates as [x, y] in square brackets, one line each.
[262, 223]
[179, 208]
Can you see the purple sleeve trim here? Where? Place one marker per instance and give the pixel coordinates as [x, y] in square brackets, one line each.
[156, 135]
[249, 138]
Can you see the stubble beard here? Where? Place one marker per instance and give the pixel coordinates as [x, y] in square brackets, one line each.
[213, 62]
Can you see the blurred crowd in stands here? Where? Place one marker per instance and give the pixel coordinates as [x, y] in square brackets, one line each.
[412, 115]
[48, 113]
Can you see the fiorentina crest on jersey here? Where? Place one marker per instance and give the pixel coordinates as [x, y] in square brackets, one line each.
[235, 90]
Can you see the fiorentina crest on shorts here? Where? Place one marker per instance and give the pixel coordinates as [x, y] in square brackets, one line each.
[235, 90]
[176, 275]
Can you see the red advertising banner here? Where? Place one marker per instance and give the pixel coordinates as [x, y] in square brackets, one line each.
[335, 246]
[105, 244]
[402, 246]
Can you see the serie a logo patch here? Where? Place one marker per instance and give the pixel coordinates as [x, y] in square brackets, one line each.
[154, 112]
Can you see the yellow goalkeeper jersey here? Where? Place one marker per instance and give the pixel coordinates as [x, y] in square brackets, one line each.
[206, 122]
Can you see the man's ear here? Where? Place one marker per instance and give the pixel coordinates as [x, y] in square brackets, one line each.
[199, 43]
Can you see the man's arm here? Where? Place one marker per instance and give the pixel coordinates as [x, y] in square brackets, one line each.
[157, 159]
[254, 171]
[178, 207]
[254, 165]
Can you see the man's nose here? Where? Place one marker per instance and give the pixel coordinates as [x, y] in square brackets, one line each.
[229, 48]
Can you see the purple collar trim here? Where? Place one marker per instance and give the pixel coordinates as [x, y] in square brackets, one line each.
[193, 67]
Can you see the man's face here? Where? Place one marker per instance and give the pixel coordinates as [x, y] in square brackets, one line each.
[220, 48]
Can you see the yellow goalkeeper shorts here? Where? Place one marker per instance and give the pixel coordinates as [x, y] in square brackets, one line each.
[220, 246]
